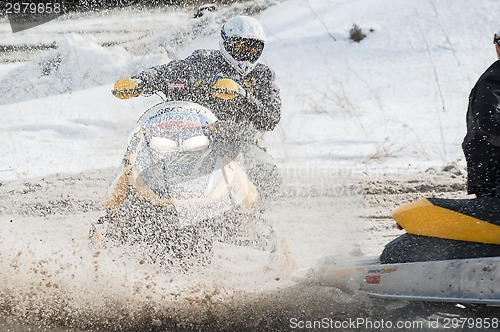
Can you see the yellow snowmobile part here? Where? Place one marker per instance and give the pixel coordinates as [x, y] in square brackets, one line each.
[119, 194]
[125, 88]
[225, 88]
[424, 218]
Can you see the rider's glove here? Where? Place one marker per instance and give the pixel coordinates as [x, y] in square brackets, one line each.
[226, 88]
[126, 88]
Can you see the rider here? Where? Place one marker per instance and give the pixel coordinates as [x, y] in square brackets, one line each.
[257, 105]
[481, 145]
[255, 108]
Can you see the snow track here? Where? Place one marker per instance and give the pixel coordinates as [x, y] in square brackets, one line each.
[381, 110]
[54, 281]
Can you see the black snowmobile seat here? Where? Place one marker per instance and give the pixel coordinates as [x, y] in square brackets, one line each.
[446, 229]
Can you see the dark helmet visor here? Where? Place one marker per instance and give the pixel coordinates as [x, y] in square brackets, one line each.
[244, 49]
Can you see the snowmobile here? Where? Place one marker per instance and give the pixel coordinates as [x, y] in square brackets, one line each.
[449, 253]
[180, 188]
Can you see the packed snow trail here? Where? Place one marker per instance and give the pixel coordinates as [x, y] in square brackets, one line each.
[53, 278]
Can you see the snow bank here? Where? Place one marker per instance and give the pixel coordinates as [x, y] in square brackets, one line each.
[396, 101]
[77, 63]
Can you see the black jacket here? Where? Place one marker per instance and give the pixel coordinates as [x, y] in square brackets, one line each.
[481, 145]
[186, 79]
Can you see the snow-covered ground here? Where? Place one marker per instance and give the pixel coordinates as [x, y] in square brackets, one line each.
[393, 103]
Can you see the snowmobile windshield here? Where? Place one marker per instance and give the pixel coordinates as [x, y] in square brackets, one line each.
[177, 132]
[175, 163]
[175, 140]
[244, 49]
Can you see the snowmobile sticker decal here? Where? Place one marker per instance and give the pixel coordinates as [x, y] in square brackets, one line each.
[170, 115]
[372, 279]
[177, 85]
[374, 276]
[382, 271]
[202, 115]
[177, 121]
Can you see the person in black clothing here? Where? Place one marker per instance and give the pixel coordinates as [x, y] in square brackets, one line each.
[481, 145]
[258, 105]
[255, 109]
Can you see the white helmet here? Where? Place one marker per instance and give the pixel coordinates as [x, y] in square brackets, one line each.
[242, 41]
